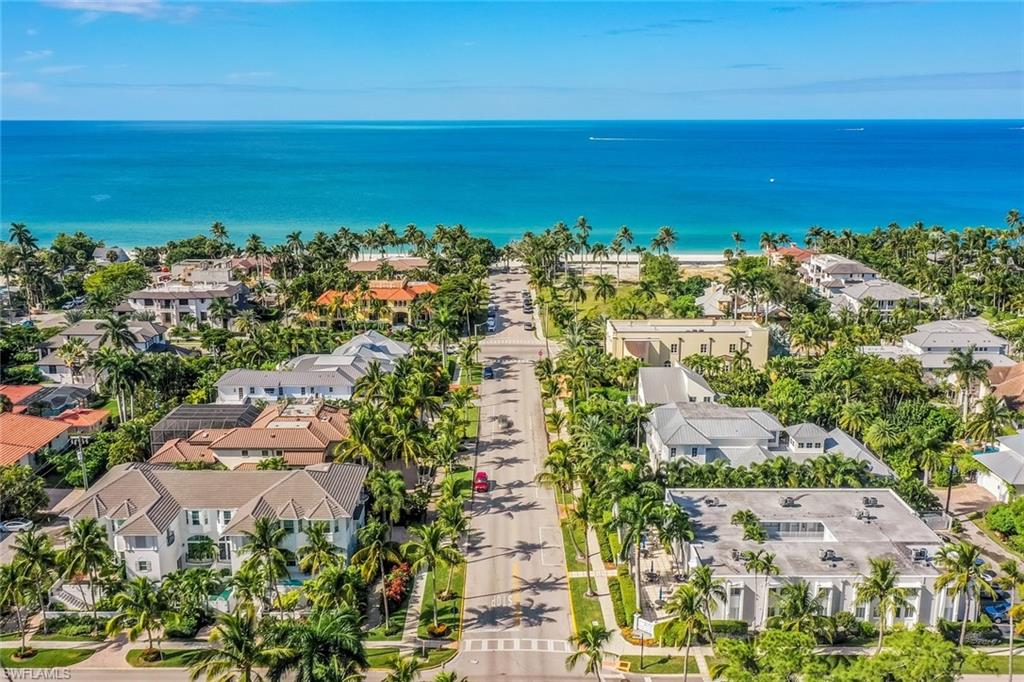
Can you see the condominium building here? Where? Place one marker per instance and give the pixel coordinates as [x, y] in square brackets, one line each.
[825, 537]
[160, 519]
[660, 343]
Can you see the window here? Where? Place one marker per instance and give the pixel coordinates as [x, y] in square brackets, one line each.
[182, 301]
[675, 347]
[703, 348]
[193, 517]
[252, 390]
[693, 452]
[142, 566]
[817, 445]
[707, 399]
[672, 452]
[245, 453]
[170, 537]
[732, 347]
[264, 453]
[289, 526]
[303, 390]
[692, 398]
[735, 598]
[279, 453]
[225, 515]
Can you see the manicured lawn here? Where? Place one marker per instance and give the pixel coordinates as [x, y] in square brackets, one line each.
[473, 418]
[449, 612]
[471, 376]
[590, 307]
[569, 531]
[585, 610]
[172, 658]
[46, 658]
[10, 636]
[992, 665]
[464, 475]
[384, 657]
[666, 665]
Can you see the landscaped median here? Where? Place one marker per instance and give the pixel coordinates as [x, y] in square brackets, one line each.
[170, 658]
[585, 610]
[384, 658]
[449, 611]
[45, 658]
[569, 532]
[658, 665]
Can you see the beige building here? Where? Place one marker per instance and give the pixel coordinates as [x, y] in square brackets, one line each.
[659, 343]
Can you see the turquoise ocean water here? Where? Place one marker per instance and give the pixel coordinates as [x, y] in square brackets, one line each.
[145, 182]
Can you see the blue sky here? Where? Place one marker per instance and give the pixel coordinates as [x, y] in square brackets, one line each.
[154, 59]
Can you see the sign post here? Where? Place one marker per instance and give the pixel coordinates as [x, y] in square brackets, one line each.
[646, 629]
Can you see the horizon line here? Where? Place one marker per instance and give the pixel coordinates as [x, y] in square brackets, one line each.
[501, 120]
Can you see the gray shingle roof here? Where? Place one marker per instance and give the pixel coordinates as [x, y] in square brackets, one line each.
[662, 385]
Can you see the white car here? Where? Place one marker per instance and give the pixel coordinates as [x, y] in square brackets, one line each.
[16, 525]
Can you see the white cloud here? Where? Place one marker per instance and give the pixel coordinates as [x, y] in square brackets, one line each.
[24, 90]
[91, 10]
[35, 55]
[31, 32]
[60, 68]
[249, 75]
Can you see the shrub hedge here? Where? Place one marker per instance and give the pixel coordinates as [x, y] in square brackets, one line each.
[616, 594]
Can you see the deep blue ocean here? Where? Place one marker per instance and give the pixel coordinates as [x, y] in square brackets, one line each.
[146, 182]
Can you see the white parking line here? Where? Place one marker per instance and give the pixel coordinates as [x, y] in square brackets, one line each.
[547, 546]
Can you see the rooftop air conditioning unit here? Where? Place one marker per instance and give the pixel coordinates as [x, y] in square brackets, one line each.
[920, 554]
[860, 514]
[866, 501]
[874, 502]
[787, 502]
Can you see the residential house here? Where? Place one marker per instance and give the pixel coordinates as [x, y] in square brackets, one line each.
[301, 433]
[146, 336]
[83, 423]
[799, 255]
[204, 271]
[54, 400]
[716, 302]
[676, 384]
[825, 537]
[185, 420]
[884, 295]
[1007, 383]
[107, 255]
[829, 273]
[24, 437]
[1003, 473]
[396, 296]
[160, 519]
[705, 432]
[401, 265]
[660, 343]
[173, 301]
[931, 343]
[20, 395]
[358, 352]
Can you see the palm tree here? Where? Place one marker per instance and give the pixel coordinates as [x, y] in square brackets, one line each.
[992, 420]
[968, 371]
[16, 590]
[801, 610]
[263, 547]
[35, 557]
[407, 669]
[590, 643]
[86, 552]
[881, 585]
[326, 647]
[116, 332]
[74, 352]
[761, 562]
[603, 288]
[222, 309]
[387, 489]
[963, 574]
[318, 551]
[440, 327]
[449, 676]
[1011, 580]
[140, 607]
[687, 621]
[237, 649]
[429, 549]
[585, 513]
[374, 549]
[710, 591]
[881, 435]
[634, 516]
[219, 231]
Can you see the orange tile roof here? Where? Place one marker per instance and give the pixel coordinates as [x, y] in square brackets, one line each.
[27, 433]
[18, 392]
[180, 450]
[82, 417]
[795, 252]
[383, 290]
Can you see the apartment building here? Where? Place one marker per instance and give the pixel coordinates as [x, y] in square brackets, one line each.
[661, 343]
[824, 537]
[171, 302]
[160, 519]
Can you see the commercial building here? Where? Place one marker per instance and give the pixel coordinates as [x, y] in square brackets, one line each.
[160, 519]
[660, 343]
[825, 537]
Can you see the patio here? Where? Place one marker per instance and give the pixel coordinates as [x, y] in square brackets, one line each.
[660, 576]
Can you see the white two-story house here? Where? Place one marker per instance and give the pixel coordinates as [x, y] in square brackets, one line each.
[171, 301]
[147, 336]
[829, 273]
[160, 519]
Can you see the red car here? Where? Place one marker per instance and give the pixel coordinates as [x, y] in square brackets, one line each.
[481, 484]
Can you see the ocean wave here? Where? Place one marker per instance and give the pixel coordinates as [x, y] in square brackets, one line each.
[852, 130]
[626, 139]
[100, 197]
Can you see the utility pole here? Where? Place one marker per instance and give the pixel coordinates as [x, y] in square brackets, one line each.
[81, 461]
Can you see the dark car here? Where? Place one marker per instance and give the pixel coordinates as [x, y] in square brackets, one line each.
[529, 326]
[488, 373]
[480, 483]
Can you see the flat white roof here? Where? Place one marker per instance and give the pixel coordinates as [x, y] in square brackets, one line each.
[684, 325]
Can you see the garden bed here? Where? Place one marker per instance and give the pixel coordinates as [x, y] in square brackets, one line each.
[172, 658]
[384, 658]
[449, 611]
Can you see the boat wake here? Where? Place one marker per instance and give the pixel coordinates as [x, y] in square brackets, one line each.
[626, 139]
[100, 197]
[852, 130]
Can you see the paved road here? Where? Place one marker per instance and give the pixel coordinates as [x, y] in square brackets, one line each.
[517, 600]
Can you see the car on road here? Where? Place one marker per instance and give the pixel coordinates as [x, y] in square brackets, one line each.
[529, 326]
[16, 525]
[997, 611]
[481, 484]
[488, 373]
[490, 324]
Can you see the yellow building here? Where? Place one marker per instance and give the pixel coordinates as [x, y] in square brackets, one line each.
[660, 343]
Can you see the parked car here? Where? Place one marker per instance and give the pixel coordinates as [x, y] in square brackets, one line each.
[529, 326]
[488, 373]
[997, 611]
[16, 525]
[481, 484]
[490, 324]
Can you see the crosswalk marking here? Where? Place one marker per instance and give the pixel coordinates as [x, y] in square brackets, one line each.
[559, 646]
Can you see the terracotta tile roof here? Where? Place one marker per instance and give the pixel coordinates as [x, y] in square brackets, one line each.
[29, 433]
[82, 417]
[269, 439]
[1008, 383]
[12, 454]
[383, 290]
[178, 450]
[18, 392]
[399, 264]
[793, 251]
